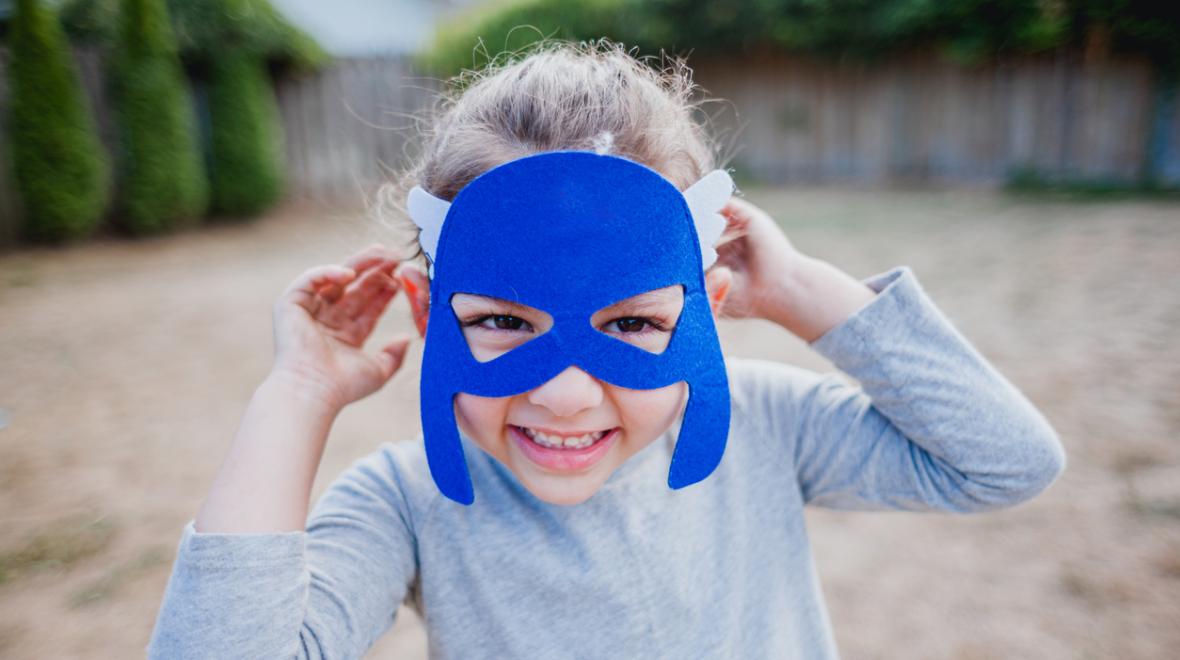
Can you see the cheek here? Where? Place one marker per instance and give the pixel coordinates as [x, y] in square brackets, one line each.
[651, 409]
[481, 418]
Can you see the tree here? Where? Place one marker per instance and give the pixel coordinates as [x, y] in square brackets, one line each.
[58, 163]
[228, 46]
[246, 150]
[163, 182]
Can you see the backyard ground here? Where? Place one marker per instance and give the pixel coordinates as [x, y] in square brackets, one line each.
[125, 366]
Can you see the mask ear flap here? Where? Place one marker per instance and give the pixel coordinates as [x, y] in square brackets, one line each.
[703, 433]
[705, 200]
[444, 452]
[428, 213]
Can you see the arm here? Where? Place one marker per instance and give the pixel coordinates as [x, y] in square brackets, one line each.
[935, 426]
[932, 426]
[266, 478]
[249, 579]
[327, 592]
[321, 323]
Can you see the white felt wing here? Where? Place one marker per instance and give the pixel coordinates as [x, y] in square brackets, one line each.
[428, 212]
[705, 199]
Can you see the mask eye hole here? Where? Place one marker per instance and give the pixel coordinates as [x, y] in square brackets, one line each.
[645, 321]
[494, 326]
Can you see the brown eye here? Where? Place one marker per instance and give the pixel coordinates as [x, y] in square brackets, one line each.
[630, 324]
[507, 322]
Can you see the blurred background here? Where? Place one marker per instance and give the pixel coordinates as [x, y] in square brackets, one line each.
[168, 166]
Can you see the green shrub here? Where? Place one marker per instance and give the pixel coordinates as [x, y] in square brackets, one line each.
[246, 150]
[206, 27]
[162, 174]
[1029, 182]
[228, 45]
[965, 30]
[58, 164]
[489, 30]
[202, 29]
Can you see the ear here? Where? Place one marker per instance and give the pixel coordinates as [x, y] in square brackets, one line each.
[717, 282]
[417, 288]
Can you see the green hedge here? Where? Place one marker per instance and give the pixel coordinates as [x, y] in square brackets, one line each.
[966, 30]
[204, 28]
[58, 164]
[228, 45]
[471, 41]
[246, 150]
[162, 172]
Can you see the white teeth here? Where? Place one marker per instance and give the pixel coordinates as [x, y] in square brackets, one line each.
[579, 442]
[559, 442]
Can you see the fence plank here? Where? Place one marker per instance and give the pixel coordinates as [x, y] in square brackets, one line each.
[9, 206]
[800, 120]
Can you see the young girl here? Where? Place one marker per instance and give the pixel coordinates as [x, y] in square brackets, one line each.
[549, 530]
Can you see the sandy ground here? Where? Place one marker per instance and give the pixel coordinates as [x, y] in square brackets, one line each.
[125, 366]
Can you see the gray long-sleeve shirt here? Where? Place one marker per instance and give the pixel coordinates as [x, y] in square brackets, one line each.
[720, 569]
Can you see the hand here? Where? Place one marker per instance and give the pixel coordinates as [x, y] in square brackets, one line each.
[769, 279]
[321, 322]
[760, 257]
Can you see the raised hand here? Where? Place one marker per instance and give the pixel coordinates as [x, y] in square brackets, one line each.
[760, 257]
[321, 323]
[769, 279]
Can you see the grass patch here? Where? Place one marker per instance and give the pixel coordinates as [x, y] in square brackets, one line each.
[1030, 183]
[109, 584]
[58, 546]
[1156, 508]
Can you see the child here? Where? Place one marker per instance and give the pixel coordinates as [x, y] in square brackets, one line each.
[535, 519]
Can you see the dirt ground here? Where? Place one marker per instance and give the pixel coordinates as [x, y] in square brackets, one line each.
[125, 366]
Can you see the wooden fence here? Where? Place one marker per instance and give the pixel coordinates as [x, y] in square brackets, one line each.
[786, 119]
[925, 120]
[8, 203]
[348, 127]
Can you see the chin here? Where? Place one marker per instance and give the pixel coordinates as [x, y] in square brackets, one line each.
[574, 490]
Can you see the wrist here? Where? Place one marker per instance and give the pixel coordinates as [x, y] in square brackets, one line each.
[814, 297]
[786, 299]
[302, 394]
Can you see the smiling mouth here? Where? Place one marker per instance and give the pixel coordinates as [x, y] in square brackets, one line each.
[551, 441]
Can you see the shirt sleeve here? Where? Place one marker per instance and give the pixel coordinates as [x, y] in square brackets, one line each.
[932, 424]
[327, 592]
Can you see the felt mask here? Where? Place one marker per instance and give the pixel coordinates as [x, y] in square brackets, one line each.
[570, 233]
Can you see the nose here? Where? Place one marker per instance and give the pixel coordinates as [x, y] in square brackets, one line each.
[568, 393]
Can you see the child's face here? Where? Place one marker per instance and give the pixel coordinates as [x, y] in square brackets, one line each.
[563, 439]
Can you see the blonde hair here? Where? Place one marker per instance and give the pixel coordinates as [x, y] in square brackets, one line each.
[591, 96]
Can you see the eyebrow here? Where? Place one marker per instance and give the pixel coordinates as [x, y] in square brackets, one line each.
[475, 301]
[649, 301]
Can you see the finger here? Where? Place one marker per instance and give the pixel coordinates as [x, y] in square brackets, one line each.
[361, 292]
[737, 221]
[367, 319]
[393, 355]
[371, 256]
[304, 288]
[330, 292]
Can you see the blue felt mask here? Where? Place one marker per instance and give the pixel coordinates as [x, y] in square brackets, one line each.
[570, 233]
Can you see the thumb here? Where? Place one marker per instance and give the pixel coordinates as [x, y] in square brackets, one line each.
[392, 355]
